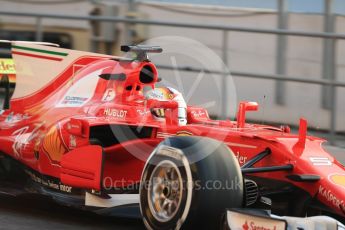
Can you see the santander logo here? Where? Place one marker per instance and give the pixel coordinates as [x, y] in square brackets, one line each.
[251, 225]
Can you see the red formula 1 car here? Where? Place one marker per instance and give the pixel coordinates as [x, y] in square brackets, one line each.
[79, 129]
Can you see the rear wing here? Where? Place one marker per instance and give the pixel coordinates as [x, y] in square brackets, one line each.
[27, 42]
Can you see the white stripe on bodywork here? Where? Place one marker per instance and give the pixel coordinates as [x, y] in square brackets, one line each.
[240, 145]
[115, 200]
[164, 135]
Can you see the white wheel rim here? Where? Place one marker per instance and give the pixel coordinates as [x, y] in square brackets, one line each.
[165, 191]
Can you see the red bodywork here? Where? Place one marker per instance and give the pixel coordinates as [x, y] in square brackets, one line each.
[50, 133]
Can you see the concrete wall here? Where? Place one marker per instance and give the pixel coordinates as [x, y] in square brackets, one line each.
[256, 53]
[74, 8]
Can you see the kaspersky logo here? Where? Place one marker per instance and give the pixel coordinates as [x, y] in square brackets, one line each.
[251, 225]
[7, 66]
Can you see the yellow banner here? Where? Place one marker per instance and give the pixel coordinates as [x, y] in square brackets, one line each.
[7, 66]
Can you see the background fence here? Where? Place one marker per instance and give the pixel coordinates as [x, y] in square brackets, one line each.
[331, 39]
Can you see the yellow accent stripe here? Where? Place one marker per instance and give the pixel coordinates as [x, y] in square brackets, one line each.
[7, 66]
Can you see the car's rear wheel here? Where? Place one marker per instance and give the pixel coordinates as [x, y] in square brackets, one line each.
[178, 192]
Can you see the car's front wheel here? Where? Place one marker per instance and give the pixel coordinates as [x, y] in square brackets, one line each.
[178, 191]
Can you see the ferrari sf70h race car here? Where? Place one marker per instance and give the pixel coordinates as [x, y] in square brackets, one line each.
[78, 128]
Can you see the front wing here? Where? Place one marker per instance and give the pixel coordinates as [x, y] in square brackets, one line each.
[248, 219]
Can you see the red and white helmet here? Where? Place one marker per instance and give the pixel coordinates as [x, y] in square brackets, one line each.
[169, 94]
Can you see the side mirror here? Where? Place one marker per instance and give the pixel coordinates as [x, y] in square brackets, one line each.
[242, 110]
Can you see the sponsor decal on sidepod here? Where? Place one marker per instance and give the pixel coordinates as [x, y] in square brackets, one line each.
[118, 113]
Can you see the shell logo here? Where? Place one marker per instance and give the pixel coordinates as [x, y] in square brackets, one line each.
[338, 179]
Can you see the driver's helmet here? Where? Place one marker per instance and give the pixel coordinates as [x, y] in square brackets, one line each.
[167, 94]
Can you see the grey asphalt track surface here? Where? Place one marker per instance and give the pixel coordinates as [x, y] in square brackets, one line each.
[36, 213]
